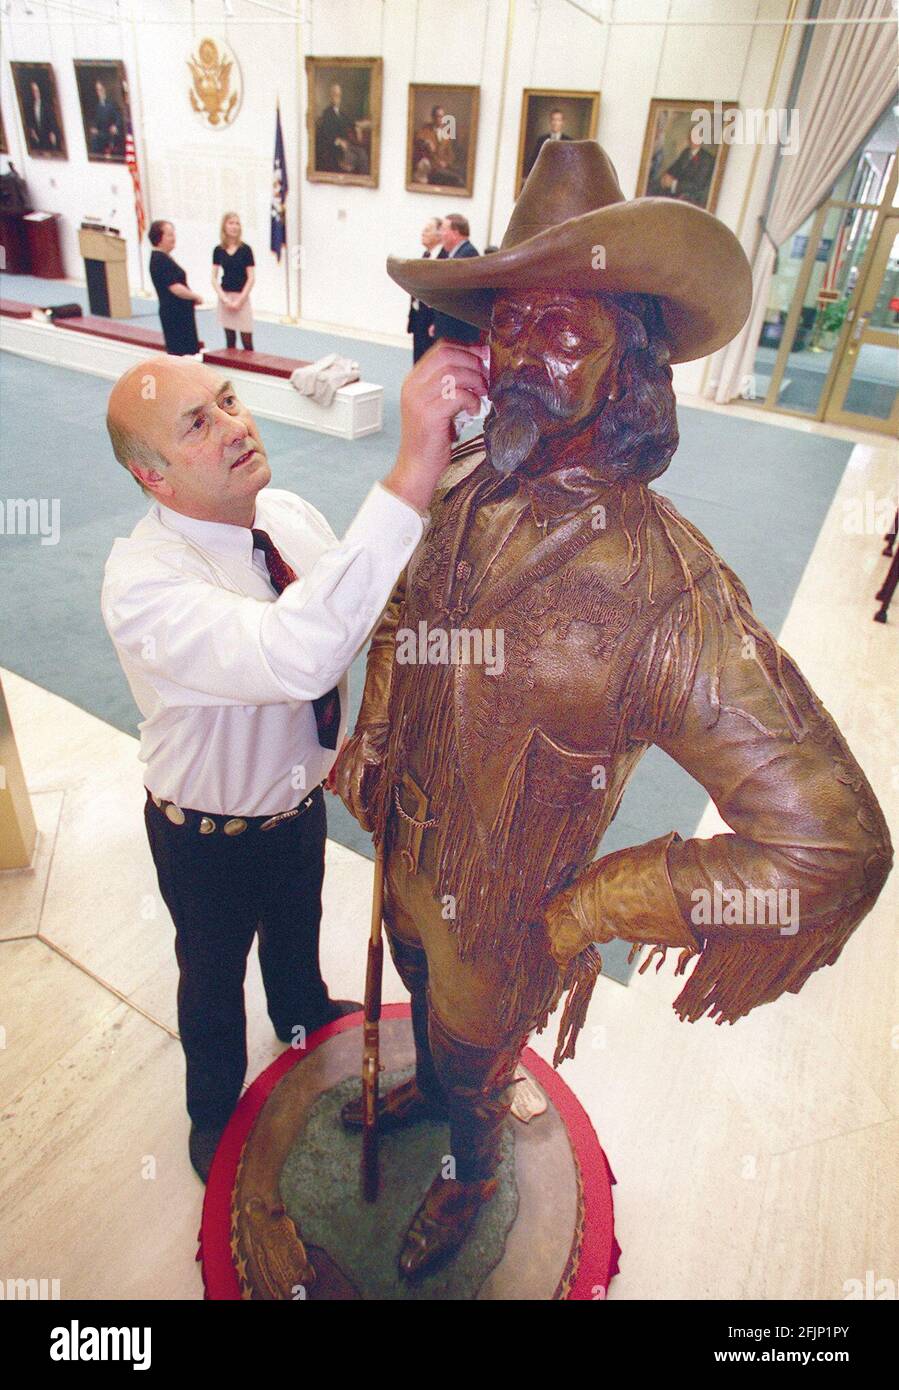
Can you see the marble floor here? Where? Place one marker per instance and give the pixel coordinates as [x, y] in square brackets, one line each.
[758, 1161]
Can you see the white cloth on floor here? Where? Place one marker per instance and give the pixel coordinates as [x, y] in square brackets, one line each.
[323, 378]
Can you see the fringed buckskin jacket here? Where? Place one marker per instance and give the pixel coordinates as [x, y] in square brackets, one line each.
[621, 628]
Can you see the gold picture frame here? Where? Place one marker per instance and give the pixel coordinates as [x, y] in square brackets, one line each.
[44, 133]
[105, 125]
[441, 150]
[345, 145]
[580, 118]
[666, 146]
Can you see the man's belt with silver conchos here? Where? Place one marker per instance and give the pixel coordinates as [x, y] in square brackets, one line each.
[203, 824]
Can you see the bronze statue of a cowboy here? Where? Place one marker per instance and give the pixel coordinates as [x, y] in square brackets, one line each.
[490, 787]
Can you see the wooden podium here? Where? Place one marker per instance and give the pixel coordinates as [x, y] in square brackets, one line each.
[106, 272]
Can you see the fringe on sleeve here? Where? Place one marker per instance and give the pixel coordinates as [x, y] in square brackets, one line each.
[736, 971]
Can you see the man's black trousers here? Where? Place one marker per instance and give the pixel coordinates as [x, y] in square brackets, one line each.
[221, 890]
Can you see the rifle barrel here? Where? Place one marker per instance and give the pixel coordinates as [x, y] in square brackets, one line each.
[371, 1061]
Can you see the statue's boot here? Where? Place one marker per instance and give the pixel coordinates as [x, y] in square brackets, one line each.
[478, 1085]
[421, 1097]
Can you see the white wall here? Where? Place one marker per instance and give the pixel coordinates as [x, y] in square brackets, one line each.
[192, 174]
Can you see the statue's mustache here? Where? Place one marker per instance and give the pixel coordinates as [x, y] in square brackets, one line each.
[512, 388]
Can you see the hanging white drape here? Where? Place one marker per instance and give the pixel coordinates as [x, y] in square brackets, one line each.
[848, 81]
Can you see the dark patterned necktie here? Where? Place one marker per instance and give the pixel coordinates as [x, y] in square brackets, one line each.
[325, 707]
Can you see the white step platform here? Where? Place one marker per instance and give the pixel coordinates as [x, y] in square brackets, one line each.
[357, 409]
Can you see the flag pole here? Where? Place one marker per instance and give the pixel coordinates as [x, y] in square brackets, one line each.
[287, 318]
[143, 292]
[300, 92]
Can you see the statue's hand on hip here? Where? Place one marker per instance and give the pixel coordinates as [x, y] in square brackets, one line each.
[357, 770]
[567, 931]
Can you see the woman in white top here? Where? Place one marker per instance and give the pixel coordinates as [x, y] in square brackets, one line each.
[233, 276]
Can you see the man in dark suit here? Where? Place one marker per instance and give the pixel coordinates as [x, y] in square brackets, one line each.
[556, 132]
[333, 133]
[420, 315]
[690, 176]
[107, 129]
[40, 122]
[454, 232]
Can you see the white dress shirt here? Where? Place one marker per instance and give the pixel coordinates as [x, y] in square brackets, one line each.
[222, 668]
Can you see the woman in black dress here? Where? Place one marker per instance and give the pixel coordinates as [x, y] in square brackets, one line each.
[176, 301]
[233, 277]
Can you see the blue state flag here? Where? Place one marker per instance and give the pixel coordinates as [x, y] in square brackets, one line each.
[279, 191]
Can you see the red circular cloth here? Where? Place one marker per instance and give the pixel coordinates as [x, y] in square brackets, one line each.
[600, 1250]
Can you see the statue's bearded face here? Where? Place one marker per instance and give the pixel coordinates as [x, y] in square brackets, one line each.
[553, 362]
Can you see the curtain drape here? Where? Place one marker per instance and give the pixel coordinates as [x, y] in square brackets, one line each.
[849, 80]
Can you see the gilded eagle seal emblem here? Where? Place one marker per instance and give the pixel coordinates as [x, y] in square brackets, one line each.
[217, 87]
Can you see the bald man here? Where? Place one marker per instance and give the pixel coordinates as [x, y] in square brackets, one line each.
[236, 613]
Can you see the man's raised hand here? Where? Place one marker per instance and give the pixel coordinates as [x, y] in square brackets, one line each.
[450, 377]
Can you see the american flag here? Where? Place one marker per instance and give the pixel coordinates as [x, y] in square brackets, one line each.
[279, 190]
[131, 161]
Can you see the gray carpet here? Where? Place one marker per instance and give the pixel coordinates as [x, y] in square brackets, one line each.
[759, 492]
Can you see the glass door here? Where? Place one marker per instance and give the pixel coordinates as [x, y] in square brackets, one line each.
[827, 348]
[865, 390]
[818, 273]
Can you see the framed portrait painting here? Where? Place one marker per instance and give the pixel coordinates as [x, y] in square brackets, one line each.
[684, 152]
[103, 94]
[39, 108]
[441, 138]
[343, 118]
[552, 115]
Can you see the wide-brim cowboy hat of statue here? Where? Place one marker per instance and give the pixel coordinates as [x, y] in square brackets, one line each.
[573, 228]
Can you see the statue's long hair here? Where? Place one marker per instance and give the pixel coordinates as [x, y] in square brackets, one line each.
[637, 433]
